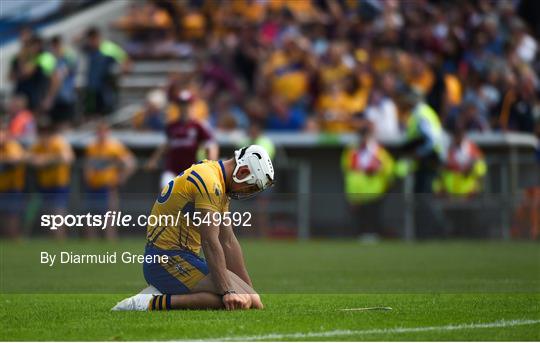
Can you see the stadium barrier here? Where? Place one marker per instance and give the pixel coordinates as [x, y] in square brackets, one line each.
[308, 199]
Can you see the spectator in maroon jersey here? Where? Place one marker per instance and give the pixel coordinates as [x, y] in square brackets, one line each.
[185, 137]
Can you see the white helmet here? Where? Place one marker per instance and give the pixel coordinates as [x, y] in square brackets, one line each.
[260, 166]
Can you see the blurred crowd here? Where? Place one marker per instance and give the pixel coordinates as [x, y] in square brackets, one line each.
[44, 78]
[326, 65]
[311, 65]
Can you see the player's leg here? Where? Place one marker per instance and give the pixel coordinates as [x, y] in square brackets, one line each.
[11, 207]
[196, 301]
[56, 201]
[238, 285]
[61, 232]
[112, 200]
[186, 277]
[205, 296]
[184, 283]
[10, 226]
[156, 301]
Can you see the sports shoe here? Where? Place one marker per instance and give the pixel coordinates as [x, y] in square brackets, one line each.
[138, 302]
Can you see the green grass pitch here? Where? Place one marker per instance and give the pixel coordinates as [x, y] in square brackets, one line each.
[438, 291]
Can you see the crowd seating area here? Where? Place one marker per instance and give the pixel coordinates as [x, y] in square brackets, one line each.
[317, 66]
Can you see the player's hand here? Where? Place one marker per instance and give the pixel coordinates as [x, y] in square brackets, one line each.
[233, 301]
[122, 179]
[40, 160]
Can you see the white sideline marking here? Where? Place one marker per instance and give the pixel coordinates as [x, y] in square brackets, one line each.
[377, 308]
[336, 333]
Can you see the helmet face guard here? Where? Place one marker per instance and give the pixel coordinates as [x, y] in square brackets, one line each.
[261, 174]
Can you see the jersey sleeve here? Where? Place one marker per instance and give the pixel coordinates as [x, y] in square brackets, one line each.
[206, 190]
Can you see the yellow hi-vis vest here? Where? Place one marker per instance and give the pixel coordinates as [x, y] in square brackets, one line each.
[425, 120]
[368, 172]
[463, 171]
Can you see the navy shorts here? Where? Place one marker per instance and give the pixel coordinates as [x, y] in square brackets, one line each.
[53, 198]
[179, 275]
[97, 200]
[12, 202]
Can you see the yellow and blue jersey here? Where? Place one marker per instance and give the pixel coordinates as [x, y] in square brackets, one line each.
[200, 187]
[12, 175]
[103, 163]
[55, 176]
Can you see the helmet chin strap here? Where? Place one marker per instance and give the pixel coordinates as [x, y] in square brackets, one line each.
[237, 196]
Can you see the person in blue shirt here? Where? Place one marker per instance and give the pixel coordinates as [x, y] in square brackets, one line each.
[284, 117]
[31, 71]
[61, 96]
[105, 61]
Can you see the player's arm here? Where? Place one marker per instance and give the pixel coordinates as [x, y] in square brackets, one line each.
[120, 56]
[87, 165]
[128, 164]
[215, 257]
[54, 86]
[233, 253]
[34, 159]
[212, 150]
[206, 138]
[214, 254]
[156, 157]
[66, 156]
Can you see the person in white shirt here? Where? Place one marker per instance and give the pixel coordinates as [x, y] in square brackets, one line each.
[382, 111]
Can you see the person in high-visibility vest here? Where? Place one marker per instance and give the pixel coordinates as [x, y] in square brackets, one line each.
[424, 148]
[462, 173]
[424, 135]
[368, 171]
[257, 136]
